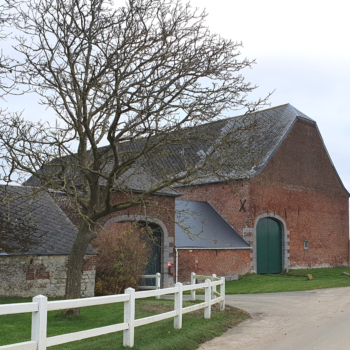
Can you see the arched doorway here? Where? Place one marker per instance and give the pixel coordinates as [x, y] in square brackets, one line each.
[269, 246]
[164, 242]
[152, 235]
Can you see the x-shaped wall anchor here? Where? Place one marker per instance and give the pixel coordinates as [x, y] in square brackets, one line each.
[242, 205]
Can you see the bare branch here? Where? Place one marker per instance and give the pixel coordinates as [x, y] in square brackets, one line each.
[144, 81]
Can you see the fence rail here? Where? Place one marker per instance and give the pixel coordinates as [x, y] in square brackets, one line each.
[215, 282]
[157, 282]
[40, 306]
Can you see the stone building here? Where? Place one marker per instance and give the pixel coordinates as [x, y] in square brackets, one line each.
[36, 238]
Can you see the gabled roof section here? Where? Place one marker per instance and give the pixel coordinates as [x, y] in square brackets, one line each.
[253, 139]
[301, 115]
[32, 224]
[332, 164]
[199, 225]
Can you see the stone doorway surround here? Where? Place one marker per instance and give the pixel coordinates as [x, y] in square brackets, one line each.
[249, 234]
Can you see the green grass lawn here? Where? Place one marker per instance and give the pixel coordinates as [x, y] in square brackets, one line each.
[157, 336]
[294, 280]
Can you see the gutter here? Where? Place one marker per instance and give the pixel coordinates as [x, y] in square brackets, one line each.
[177, 265]
[214, 248]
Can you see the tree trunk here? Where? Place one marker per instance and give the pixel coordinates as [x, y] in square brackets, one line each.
[75, 264]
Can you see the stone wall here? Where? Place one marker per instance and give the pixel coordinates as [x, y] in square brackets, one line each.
[222, 262]
[27, 276]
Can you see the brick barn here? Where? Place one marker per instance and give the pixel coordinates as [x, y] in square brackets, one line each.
[291, 206]
[278, 202]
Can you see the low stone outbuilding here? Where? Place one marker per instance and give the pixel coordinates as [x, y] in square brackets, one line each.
[36, 238]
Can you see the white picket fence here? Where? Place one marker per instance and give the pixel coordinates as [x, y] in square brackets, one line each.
[40, 306]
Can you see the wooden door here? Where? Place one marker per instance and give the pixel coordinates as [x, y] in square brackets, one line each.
[269, 246]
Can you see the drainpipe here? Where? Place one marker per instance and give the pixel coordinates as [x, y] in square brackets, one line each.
[177, 264]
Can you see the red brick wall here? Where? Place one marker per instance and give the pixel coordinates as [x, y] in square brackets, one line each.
[301, 162]
[300, 185]
[224, 262]
[226, 199]
[159, 207]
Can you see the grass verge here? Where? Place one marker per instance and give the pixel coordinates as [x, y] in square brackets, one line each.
[157, 336]
[294, 280]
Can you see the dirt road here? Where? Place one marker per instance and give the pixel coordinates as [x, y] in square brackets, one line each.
[312, 320]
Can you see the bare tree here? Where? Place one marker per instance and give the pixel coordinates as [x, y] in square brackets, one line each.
[133, 80]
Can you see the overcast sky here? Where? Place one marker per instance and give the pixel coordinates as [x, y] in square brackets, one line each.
[302, 52]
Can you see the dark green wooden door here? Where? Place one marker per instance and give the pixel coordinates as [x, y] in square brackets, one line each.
[154, 260]
[269, 246]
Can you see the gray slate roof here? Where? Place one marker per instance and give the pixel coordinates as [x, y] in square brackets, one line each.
[33, 224]
[136, 179]
[140, 179]
[253, 139]
[199, 225]
[243, 146]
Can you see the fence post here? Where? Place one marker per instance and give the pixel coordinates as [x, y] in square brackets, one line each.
[157, 283]
[178, 306]
[207, 310]
[39, 322]
[222, 294]
[213, 289]
[193, 281]
[129, 317]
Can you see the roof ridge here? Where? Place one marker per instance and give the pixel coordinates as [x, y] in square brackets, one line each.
[240, 116]
[299, 114]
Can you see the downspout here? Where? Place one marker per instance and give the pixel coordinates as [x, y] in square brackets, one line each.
[176, 262]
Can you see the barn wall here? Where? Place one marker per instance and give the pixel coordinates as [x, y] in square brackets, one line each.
[300, 185]
[316, 217]
[27, 276]
[222, 262]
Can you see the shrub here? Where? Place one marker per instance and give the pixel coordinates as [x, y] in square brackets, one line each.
[123, 253]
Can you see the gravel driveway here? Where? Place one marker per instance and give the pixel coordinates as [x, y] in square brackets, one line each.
[311, 320]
